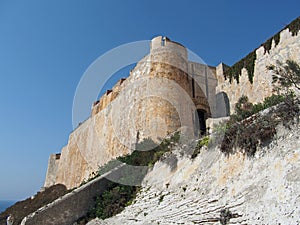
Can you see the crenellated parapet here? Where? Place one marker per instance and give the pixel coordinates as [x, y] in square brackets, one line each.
[250, 76]
[107, 98]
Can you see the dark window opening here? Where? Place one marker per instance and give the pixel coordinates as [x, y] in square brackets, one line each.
[202, 123]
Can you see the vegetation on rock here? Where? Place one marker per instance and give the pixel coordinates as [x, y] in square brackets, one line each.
[118, 196]
[286, 75]
[247, 129]
[202, 142]
[113, 201]
[248, 62]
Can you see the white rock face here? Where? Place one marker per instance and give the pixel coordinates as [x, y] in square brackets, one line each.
[260, 190]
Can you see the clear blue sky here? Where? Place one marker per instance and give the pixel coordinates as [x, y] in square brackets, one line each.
[45, 47]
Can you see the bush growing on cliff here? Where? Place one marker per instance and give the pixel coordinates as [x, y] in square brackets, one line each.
[202, 142]
[247, 131]
[117, 196]
[245, 109]
[113, 201]
[148, 152]
[286, 75]
[273, 100]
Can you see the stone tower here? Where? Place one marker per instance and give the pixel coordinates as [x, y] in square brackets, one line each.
[163, 93]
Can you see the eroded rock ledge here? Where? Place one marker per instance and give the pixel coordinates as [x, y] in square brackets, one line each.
[215, 189]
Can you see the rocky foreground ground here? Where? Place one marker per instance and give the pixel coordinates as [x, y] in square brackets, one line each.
[216, 189]
[25, 207]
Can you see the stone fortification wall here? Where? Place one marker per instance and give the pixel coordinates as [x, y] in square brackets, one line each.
[154, 101]
[205, 77]
[287, 48]
[163, 92]
[107, 98]
[69, 208]
[52, 169]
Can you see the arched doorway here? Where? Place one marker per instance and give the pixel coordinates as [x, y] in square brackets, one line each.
[222, 105]
[201, 116]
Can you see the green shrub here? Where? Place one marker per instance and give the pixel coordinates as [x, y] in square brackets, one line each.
[258, 107]
[113, 201]
[273, 100]
[285, 75]
[249, 133]
[153, 152]
[117, 196]
[175, 137]
[202, 142]
[245, 109]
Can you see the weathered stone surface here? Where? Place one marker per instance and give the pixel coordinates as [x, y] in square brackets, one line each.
[52, 170]
[214, 188]
[68, 209]
[156, 99]
[162, 93]
[288, 48]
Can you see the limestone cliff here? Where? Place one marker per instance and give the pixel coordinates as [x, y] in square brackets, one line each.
[216, 189]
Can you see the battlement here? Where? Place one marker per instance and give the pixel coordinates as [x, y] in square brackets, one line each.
[107, 98]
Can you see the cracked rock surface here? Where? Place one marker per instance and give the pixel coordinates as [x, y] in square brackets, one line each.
[215, 189]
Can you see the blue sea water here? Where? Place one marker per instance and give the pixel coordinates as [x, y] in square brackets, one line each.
[5, 204]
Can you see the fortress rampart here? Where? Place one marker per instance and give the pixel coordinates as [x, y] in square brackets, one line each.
[158, 97]
[164, 92]
[283, 46]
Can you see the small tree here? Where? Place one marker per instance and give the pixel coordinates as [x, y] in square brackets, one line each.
[286, 75]
[243, 108]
